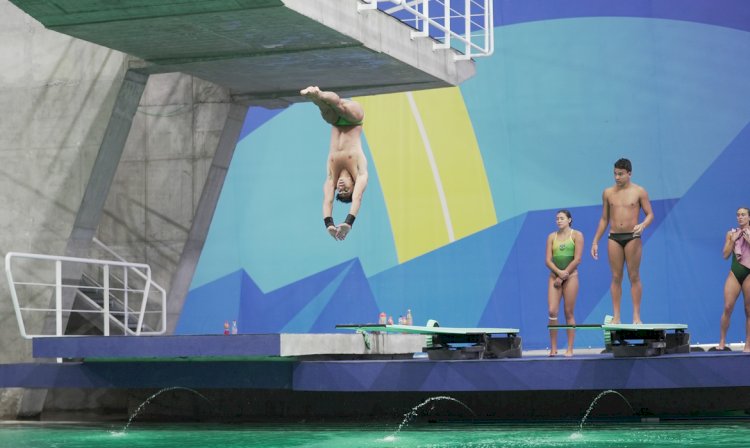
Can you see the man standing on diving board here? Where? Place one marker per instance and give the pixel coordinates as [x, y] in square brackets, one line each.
[346, 167]
[621, 208]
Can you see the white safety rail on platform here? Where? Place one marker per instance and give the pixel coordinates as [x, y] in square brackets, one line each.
[117, 284]
[465, 25]
[157, 290]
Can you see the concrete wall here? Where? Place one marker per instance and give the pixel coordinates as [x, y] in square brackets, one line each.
[57, 95]
[169, 151]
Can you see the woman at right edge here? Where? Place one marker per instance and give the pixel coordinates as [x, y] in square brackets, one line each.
[737, 245]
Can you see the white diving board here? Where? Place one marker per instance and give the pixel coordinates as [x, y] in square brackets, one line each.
[416, 329]
[445, 343]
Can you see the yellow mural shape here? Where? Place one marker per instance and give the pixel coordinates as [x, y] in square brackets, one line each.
[430, 168]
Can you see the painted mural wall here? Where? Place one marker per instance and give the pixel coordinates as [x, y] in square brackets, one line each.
[455, 218]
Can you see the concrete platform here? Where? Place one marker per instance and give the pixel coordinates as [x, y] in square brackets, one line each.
[263, 50]
[320, 346]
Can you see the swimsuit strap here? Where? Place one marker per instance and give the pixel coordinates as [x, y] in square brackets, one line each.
[570, 237]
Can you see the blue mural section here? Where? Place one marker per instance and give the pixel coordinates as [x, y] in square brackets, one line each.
[684, 267]
[571, 95]
[572, 87]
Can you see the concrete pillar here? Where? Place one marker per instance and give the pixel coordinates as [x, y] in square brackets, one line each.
[90, 211]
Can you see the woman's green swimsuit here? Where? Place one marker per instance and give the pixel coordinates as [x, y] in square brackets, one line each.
[563, 253]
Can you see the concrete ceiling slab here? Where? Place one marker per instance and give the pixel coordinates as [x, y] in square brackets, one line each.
[263, 50]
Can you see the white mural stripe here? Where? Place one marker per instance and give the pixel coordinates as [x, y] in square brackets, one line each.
[433, 165]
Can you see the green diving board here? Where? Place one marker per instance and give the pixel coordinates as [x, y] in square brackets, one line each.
[616, 327]
[646, 327]
[415, 329]
[629, 340]
[575, 327]
[449, 343]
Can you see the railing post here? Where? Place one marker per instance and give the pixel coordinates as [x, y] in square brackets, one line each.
[367, 4]
[489, 28]
[105, 302]
[58, 298]
[467, 26]
[419, 17]
[146, 292]
[447, 25]
[125, 298]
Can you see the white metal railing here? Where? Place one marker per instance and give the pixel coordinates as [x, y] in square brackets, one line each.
[162, 293]
[50, 268]
[465, 25]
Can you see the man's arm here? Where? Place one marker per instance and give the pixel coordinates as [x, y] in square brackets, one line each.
[601, 227]
[359, 189]
[359, 185]
[329, 190]
[646, 206]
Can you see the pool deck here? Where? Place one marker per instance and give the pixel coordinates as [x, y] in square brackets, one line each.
[342, 363]
[686, 383]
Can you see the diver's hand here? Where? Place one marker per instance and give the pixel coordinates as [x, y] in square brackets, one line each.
[332, 230]
[343, 230]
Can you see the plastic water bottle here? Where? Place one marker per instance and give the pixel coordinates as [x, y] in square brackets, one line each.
[234, 327]
[226, 327]
[382, 319]
[409, 320]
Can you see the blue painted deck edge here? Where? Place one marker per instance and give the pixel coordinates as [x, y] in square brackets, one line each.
[715, 370]
[158, 346]
[526, 374]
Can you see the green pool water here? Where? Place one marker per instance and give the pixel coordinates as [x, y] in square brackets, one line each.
[631, 434]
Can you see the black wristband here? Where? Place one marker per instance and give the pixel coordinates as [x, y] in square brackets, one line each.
[328, 221]
[350, 219]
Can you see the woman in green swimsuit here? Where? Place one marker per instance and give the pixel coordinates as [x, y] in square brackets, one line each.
[737, 245]
[564, 248]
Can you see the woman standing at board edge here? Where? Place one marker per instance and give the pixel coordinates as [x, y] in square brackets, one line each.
[564, 248]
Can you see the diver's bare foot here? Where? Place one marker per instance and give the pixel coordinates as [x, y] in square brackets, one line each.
[310, 92]
[746, 349]
[615, 321]
[552, 353]
[637, 322]
[569, 354]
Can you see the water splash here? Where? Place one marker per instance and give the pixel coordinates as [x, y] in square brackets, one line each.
[593, 403]
[148, 400]
[409, 416]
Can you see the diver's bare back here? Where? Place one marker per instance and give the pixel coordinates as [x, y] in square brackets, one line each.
[624, 207]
